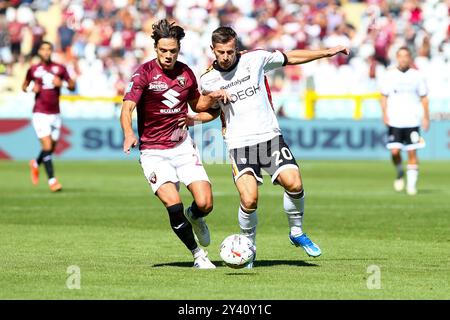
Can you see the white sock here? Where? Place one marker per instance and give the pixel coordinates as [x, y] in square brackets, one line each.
[51, 181]
[294, 208]
[196, 252]
[248, 223]
[412, 174]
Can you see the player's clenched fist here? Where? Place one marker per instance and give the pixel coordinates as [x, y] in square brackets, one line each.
[129, 142]
[220, 95]
[338, 49]
[36, 88]
[57, 82]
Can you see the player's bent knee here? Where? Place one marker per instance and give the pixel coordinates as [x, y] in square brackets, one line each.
[293, 185]
[202, 207]
[294, 188]
[205, 206]
[168, 199]
[249, 203]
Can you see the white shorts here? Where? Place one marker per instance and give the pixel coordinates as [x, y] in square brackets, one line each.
[181, 163]
[47, 125]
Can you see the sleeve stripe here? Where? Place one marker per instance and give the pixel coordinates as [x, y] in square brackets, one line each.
[285, 59]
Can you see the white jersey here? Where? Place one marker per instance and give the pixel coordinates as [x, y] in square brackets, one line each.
[249, 117]
[403, 91]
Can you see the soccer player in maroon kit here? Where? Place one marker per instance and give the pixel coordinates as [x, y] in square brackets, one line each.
[48, 78]
[161, 90]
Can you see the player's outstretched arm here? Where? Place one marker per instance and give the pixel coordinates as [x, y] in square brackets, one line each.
[129, 139]
[208, 100]
[201, 117]
[304, 56]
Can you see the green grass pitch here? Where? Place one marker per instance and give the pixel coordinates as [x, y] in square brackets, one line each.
[107, 223]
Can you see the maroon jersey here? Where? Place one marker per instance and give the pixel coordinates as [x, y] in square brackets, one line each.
[161, 98]
[47, 99]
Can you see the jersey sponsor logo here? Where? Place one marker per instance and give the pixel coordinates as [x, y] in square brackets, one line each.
[47, 79]
[170, 111]
[158, 86]
[236, 82]
[39, 72]
[244, 94]
[171, 98]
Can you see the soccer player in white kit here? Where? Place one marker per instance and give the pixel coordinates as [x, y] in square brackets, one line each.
[161, 90]
[404, 104]
[251, 129]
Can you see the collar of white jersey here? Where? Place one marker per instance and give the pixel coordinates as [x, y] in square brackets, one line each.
[219, 68]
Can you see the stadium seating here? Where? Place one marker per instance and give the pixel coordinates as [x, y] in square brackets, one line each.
[103, 41]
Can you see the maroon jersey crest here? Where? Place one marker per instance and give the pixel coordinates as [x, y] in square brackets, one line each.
[181, 81]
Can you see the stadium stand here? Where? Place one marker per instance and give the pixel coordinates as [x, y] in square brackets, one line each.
[102, 42]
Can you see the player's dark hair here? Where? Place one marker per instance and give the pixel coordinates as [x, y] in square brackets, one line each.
[223, 35]
[407, 49]
[46, 43]
[165, 29]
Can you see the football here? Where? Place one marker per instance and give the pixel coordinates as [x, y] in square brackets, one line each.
[237, 251]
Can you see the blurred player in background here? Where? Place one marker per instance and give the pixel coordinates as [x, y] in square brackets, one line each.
[48, 78]
[251, 130]
[161, 90]
[404, 104]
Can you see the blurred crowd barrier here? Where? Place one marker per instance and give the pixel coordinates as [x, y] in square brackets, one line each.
[320, 139]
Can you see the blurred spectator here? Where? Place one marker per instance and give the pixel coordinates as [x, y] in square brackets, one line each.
[65, 36]
[15, 30]
[38, 33]
[6, 57]
[3, 5]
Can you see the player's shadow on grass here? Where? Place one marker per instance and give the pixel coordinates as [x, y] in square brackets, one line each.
[292, 263]
[72, 190]
[429, 191]
[257, 263]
